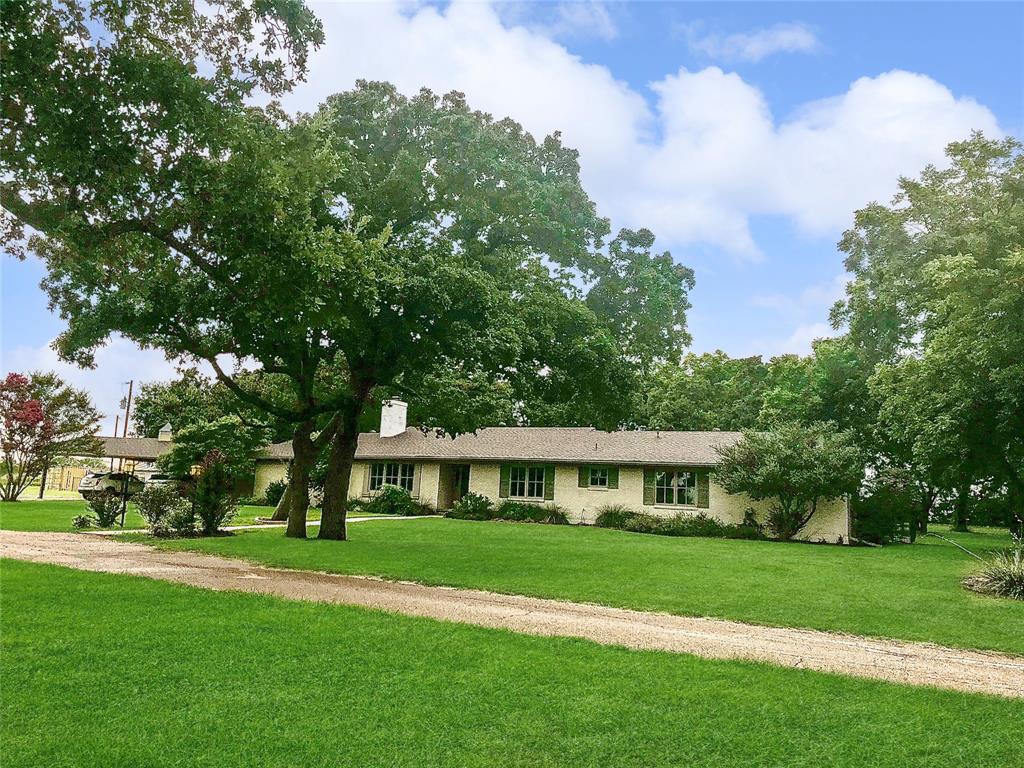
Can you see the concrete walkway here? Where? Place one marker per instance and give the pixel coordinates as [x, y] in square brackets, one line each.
[891, 660]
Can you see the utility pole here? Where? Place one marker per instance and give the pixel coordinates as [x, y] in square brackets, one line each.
[124, 480]
[128, 407]
[117, 422]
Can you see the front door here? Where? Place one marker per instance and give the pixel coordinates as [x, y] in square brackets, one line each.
[460, 481]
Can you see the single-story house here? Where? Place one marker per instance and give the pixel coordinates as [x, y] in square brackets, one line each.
[579, 468]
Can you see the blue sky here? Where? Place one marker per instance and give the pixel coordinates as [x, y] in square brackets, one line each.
[743, 134]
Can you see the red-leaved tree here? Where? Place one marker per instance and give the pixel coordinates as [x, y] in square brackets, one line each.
[42, 419]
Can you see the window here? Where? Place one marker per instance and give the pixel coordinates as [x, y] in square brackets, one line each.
[599, 477]
[517, 482]
[391, 473]
[526, 482]
[535, 483]
[678, 488]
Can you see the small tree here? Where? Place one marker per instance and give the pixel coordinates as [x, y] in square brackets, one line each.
[42, 420]
[213, 495]
[795, 465]
[235, 443]
[165, 510]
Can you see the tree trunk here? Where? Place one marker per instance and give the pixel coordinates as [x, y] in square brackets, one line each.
[339, 471]
[1015, 499]
[925, 512]
[284, 504]
[959, 521]
[302, 464]
[42, 481]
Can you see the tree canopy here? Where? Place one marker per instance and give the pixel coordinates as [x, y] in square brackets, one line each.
[794, 465]
[937, 300]
[42, 420]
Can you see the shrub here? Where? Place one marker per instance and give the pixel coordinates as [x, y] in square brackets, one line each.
[518, 512]
[613, 516]
[472, 506]
[82, 521]
[106, 508]
[554, 514]
[213, 496]
[681, 524]
[165, 511]
[1002, 574]
[888, 508]
[392, 500]
[524, 512]
[274, 492]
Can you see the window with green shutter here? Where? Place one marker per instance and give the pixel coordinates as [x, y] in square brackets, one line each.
[549, 482]
[676, 487]
[704, 490]
[649, 491]
[598, 476]
[503, 481]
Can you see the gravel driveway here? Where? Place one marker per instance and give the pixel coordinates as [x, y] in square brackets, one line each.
[895, 661]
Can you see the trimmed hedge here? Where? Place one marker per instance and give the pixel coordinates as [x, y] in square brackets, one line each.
[473, 506]
[681, 524]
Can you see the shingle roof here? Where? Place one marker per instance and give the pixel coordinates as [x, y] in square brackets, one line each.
[570, 445]
[142, 448]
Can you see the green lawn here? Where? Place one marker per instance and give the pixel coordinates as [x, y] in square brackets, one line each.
[35, 515]
[105, 670]
[903, 591]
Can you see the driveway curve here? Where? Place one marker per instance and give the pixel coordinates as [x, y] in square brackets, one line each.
[891, 660]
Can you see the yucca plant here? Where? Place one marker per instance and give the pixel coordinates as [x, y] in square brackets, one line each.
[1002, 574]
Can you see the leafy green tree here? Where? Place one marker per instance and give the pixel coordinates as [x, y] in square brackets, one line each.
[936, 300]
[410, 240]
[236, 445]
[481, 229]
[642, 298]
[788, 395]
[214, 492]
[181, 402]
[193, 399]
[107, 105]
[43, 421]
[795, 465]
[704, 392]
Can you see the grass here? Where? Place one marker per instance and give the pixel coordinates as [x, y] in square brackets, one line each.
[103, 670]
[911, 592]
[52, 515]
[35, 515]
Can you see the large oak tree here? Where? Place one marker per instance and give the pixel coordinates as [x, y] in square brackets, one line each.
[937, 300]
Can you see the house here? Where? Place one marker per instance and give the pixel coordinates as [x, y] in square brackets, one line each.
[579, 468]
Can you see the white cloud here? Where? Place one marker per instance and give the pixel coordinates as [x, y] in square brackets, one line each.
[693, 158]
[753, 46]
[803, 310]
[116, 364]
[814, 300]
[571, 19]
[799, 342]
[584, 18]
